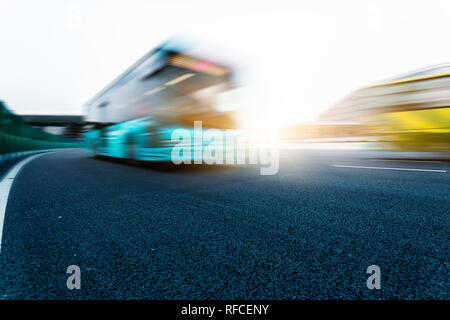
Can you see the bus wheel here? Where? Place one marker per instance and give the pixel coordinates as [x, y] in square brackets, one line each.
[95, 151]
[132, 153]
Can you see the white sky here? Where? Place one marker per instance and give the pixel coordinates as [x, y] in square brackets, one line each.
[305, 55]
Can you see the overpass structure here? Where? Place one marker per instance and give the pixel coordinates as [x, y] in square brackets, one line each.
[66, 125]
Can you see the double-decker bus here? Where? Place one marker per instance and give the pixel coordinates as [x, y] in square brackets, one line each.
[135, 116]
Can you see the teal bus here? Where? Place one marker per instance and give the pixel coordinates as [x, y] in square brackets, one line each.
[134, 117]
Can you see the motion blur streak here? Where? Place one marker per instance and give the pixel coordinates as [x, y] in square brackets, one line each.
[409, 113]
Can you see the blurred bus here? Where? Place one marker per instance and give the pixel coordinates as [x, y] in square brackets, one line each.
[135, 116]
[410, 112]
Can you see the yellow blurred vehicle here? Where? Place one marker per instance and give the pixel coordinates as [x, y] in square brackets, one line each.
[411, 112]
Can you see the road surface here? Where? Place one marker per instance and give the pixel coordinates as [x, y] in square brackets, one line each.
[153, 232]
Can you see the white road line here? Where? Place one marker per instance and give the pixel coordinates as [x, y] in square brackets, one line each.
[5, 187]
[385, 168]
[401, 160]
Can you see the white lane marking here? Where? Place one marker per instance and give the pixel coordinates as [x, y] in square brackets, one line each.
[5, 187]
[386, 168]
[401, 160]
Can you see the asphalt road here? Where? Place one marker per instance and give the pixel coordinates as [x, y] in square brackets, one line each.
[309, 232]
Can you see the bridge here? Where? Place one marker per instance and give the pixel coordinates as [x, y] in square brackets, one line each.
[67, 125]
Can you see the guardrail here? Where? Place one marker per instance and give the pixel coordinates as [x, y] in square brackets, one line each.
[18, 138]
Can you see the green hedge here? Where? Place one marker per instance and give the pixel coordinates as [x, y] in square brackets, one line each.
[16, 135]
